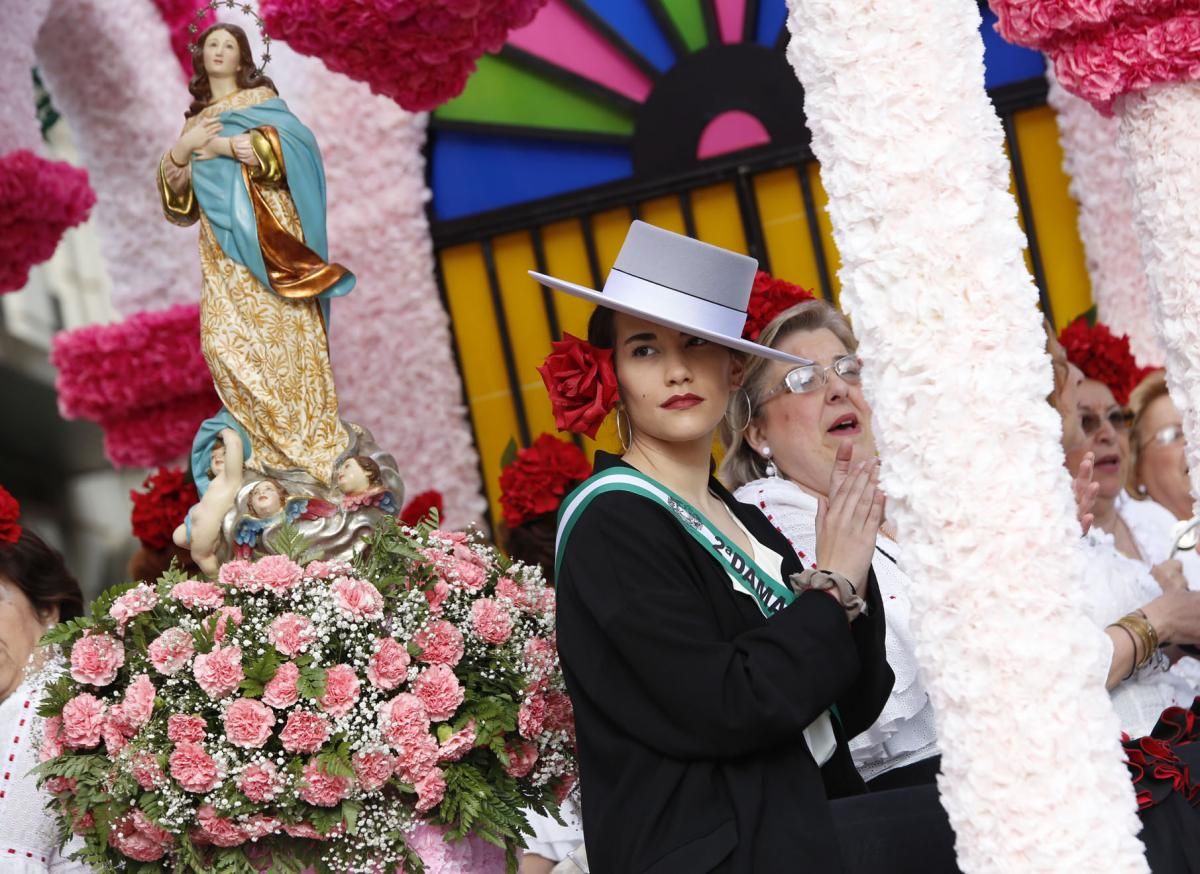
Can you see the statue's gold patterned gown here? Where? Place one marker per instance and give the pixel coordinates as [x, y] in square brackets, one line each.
[268, 354]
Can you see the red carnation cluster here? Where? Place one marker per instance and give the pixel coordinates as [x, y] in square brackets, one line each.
[10, 512]
[540, 477]
[582, 384]
[143, 380]
[178, 15]
[159, 510]
[418, 52]
[1103, 357]
[418, 507]
[39, 201]
[768, 298]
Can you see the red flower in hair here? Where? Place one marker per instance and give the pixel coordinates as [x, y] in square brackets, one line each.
[768, 298]
[158, 511]
[539, 478]
[10, 512]
[1103, 357]
[582, 384]
[418, 507]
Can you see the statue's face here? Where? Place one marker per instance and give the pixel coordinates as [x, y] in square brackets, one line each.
[218, 459]
[351, 478]
[221, 54]
[264, 500]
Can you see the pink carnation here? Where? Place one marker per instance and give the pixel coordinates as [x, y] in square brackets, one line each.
[326, 570]
[431, 789]
[184, 728]
[218, 830]
[440, 692]
[304, 732]
[491, 621]
[417, 757]
[136, 601]
[196, 595]
[59, 785]
[146, 770]
[521, 758]
[437, 595]
[512, 591]
[52, 739]
[451, 537]
[193, 768]
[358, 599]
[441, 644]
[540, 655]
[82, 721]
[224, 616]
[291, 633]
[341, 690]
[248, 723]
[238, 574]
[171, 650]
[560, 716]
[458, 744]
[219, 672]
[115, 740]
[280, 691]
[321, 789]
[277, 573]
[388, 666]
[531, 716]
[259, 826]
[135, 836]
[402, 718]
[134, 711]
[307, 830]
[95, 659]
[372, 768]
[260, 781]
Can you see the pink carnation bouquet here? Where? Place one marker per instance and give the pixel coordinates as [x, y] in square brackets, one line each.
[322, 714]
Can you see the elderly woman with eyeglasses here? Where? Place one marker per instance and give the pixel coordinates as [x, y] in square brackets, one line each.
[796, 419]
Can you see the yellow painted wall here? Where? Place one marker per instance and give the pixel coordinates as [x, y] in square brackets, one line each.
[718, 221]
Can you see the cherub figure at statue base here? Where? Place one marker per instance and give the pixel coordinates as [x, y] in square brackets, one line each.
[201, 531]
[331, 521]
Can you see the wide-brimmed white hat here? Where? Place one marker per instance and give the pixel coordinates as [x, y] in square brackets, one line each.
[681, 283]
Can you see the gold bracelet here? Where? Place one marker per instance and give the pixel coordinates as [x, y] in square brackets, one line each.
[171, 158]
[1153, 631]
[1142, 630]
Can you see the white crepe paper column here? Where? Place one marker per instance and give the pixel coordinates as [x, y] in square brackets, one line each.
[114, 78]
[1096, 163]
[911, 153]
[1159, 134]
[18, 114]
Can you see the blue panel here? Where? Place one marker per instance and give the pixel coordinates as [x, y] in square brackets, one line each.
[632, 19]
[1005, 62]
[771, 16]
[473, 173]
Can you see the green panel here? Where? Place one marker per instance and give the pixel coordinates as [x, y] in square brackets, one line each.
[689, 21]
[502, 92]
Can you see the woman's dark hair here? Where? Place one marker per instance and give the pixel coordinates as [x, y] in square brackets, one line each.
[248, 74]
[40, 572]
[370, 467]
[602, 328]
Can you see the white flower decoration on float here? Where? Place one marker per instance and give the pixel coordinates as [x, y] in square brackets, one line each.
[1158, 133]
[1096, 163]
[120, 88]
[912, 156]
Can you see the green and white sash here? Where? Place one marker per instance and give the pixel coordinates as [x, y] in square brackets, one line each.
[769, 594]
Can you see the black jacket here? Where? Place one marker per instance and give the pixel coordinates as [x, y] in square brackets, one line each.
[690, 705]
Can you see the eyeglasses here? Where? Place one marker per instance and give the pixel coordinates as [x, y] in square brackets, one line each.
[1120, 420]
[810, 377]
[1165, 436]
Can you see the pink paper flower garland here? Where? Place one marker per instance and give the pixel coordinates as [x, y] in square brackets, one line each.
[1102, 50]
[418, 52]
[144, 381]
[39, 201]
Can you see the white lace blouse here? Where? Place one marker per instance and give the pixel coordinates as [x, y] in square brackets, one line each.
[28, 833]
[905, 731]
[1151, 525]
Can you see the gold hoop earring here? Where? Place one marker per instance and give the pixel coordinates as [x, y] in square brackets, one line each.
[738, 429]
[625, 443]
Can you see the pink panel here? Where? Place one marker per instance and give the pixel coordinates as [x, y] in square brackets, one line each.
[730, 16]
[730, 132]
[561, 37]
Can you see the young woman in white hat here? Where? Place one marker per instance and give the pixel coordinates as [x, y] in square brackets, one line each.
[715, 681]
